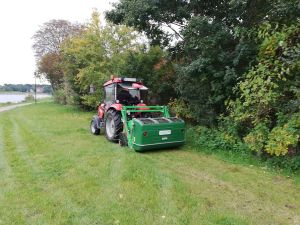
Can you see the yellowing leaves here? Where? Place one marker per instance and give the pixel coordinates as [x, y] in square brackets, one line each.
[280, 139]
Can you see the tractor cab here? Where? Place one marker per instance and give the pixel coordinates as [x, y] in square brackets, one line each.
[124, 91]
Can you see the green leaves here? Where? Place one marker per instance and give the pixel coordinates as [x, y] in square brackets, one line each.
[267, 94]
[156, 70]
[92, 57]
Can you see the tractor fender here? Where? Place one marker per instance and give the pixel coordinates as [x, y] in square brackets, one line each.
[116, 106]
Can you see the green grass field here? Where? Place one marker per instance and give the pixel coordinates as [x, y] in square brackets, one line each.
[53, 171]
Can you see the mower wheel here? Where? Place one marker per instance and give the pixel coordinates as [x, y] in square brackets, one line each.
[113, 125]
[123, 142]
[94, 129]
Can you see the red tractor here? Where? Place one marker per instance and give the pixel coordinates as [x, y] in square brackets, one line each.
[126, 119]
[117, 92]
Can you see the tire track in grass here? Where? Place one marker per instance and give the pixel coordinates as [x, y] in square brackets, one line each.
[7, 182]
[4, 166]
[159, 196]
[169, 210]
[147, 193]
[32, 201]
[183, 204]
[22, 147]
[52, 165]
[159, 185]
[72, 177]
[14, 206]
[177, 204]
[139, 183]
[112, 193]
[30, 195]
[77, 183]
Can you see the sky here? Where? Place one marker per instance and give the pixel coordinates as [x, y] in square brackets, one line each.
[20, 19]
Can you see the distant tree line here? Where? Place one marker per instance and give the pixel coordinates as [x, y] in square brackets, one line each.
[26, 87]
[230, 67]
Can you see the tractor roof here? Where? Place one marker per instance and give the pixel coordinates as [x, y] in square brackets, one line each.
[121, 80]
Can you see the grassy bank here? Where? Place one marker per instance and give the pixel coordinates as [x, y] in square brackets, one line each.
[5, 104]
[52, 171]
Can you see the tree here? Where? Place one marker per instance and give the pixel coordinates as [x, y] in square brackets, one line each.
[268, 102]
[216, 46]
[160, 20]
[50, 36]
[165, 19]
[156, 70]
[49, 66]
[47, 44]
[92, 57]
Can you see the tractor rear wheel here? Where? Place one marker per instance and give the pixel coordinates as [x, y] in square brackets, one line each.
[113, 125]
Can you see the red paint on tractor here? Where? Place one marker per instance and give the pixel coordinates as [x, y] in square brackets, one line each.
[116, 106]
[137, 86]
[142, 104]
[114, 80]
[101, 111]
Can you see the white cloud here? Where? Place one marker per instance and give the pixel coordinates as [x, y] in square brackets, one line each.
[20, 19]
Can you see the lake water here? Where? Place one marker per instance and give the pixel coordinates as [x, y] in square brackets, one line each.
[18, 97]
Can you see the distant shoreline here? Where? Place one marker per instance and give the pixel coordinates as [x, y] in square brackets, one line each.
[24, 93]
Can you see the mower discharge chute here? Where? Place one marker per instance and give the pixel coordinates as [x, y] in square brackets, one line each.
[127, 120]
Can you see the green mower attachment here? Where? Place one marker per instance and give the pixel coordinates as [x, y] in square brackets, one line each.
[145, 133]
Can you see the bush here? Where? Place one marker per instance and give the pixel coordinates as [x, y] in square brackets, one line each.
[213, 140]
[60, 96]
[181, 109]
[232, 148]
[289, 163]
[90, 101]
[257, 138]
[284, 139]
[280, 140]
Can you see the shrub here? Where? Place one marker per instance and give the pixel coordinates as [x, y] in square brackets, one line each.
[181, 109]
[291, 164]
[232, 148]
[283, 139]
[90, 101]
[257, 138]
[280, 140]
[60, 96]
[212, 140]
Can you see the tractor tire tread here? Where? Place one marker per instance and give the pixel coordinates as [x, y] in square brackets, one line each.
[118, 124]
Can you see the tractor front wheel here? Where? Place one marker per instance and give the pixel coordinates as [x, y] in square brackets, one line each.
[94, 128]
[113, 125]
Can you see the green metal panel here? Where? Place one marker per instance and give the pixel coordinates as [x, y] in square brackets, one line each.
[158, 135]
[163, 132]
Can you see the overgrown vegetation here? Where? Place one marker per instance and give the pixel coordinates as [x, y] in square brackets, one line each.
[230, 67]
